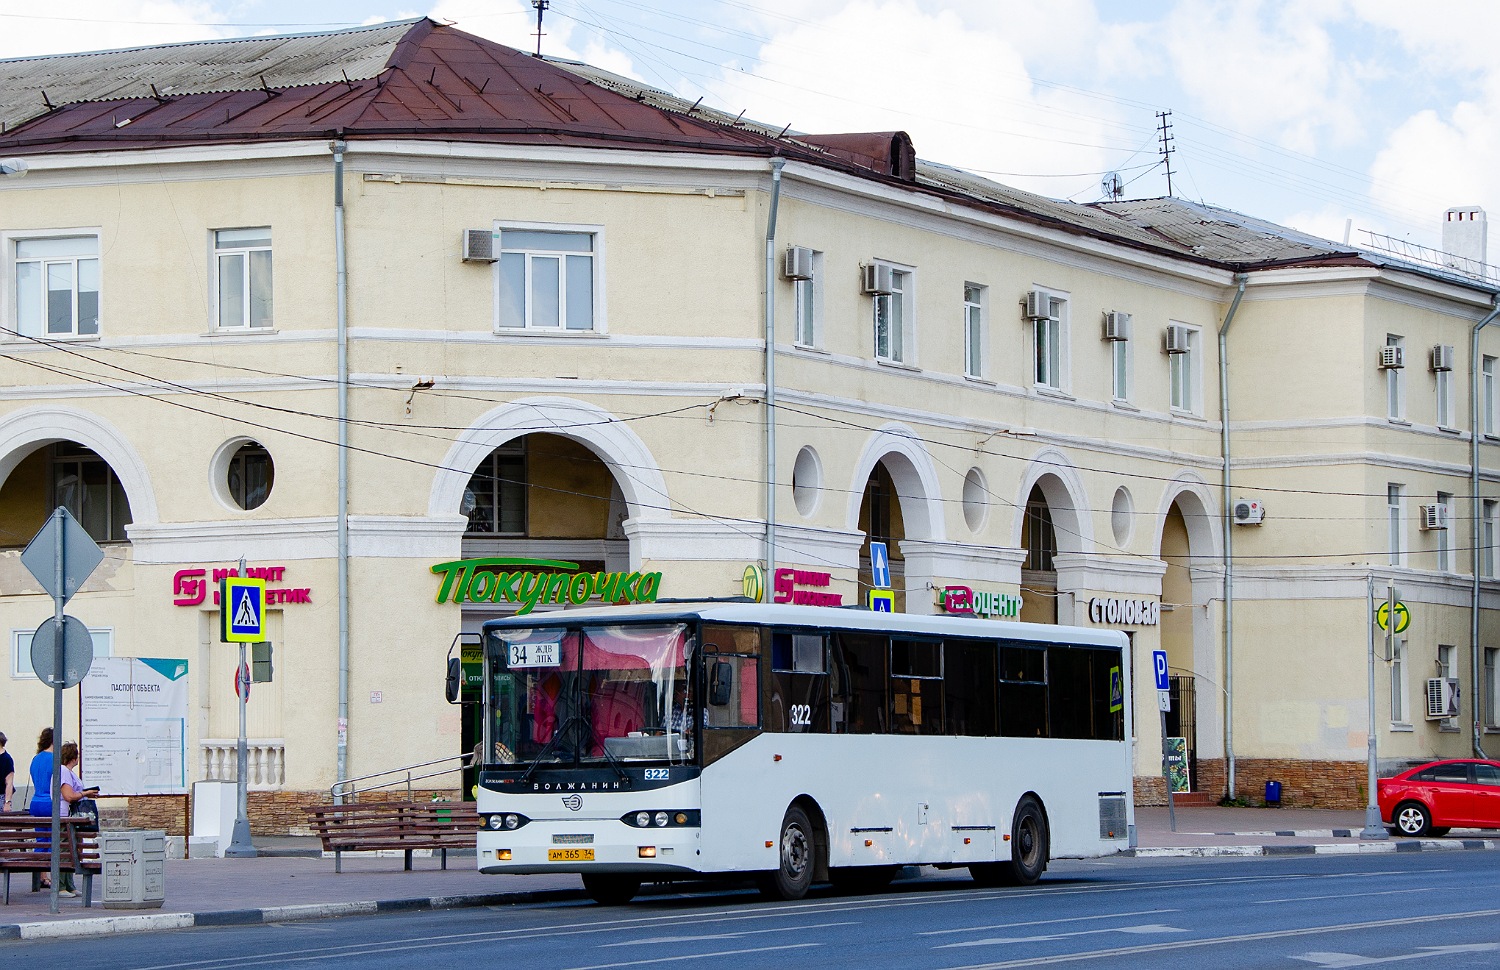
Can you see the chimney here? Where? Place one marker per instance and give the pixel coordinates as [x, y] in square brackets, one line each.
[1465, 233]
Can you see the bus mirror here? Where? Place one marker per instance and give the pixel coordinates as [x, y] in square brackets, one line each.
[453, 684]
[721, 686]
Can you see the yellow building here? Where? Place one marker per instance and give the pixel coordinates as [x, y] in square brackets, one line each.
[359, 307]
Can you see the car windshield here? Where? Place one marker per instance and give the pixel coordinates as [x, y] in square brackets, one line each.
[596, 694]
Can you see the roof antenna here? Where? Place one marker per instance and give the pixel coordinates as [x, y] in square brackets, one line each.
[1164, 132]
[540, 7]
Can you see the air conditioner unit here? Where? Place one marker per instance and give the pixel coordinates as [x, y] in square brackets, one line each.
[1248, 511]
[1178, 339]
[1392, 358]
[1442, 357]
[1442, 697]
[1038, 305]
[1434, 517]
[798, 264]
[1116, 325]
[876, 280]
[479, 245]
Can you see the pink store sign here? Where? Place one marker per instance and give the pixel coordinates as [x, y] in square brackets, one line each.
[194, 587]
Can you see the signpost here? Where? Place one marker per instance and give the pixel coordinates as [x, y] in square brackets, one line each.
[242, 620]
[1374, 830]
[1164, 703]
[61, 556]
[880, 566]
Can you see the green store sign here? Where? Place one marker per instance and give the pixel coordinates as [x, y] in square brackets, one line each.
[529, 582]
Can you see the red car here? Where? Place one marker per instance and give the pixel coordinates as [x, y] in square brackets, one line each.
[1432, 798]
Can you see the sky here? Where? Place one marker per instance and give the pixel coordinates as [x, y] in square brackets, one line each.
[1341, 118]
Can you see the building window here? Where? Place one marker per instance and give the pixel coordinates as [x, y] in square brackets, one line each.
[1120, 368]
[251, 476]
[1050, 346]
[242, 263]
[57, 286]
[1491, 688]
[1487, 368]
[1444, 389]
[1395, 499]
[1395, 383]
[808, 296]
[974, 330]
[1487, 539]
[546, 280]
[20, 650]
[84, 484]
[1187, 392]
[1444, 543]
[1398, 681]
[1040, 541]
[495, 500]
[894, 322]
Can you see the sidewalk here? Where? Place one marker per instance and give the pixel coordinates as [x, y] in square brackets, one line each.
[291, 880]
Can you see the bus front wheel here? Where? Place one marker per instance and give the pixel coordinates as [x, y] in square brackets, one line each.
[610, 888]
[793, 877]
[1029, 850]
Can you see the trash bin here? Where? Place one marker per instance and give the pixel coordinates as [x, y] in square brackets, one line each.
[1273, 793]
[134, 867]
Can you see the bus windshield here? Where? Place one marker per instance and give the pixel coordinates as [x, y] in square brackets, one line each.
[590, 695]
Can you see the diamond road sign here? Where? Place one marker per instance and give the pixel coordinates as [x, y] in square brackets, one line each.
[80, 554]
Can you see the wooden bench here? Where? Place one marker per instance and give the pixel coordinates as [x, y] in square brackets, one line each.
[405, 826]
[24, 847]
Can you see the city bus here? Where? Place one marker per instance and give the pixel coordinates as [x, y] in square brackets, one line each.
[797, 744]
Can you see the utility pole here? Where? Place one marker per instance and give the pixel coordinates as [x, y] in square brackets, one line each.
[541, 7]
[1164, 132]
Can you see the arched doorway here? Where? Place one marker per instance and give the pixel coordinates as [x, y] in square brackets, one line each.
[880, 520]
[1187, 547]
[1039, 569]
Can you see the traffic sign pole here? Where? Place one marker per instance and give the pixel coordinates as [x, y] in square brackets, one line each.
[240, 846]
[57, 705]
[1373, 829]
[1164, 704]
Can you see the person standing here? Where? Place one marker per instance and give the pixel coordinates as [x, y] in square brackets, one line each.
[73, 791]
[7, 774]
[41, 790]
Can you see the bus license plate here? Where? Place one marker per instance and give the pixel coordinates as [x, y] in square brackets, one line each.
[570, 855]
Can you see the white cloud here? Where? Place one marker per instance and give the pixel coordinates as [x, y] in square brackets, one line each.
[67, 26]
[1458, 153]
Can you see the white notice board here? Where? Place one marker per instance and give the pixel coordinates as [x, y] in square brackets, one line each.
[134, 717]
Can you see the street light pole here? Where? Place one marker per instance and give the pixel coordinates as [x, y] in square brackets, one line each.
[1373, 829]
[240, 846]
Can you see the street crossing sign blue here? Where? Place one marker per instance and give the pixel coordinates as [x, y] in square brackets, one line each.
[242, 610]
[882, 601]
[880, 566]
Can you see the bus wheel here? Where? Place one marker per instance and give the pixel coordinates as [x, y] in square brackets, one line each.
[862, 879]
[1029, 849]
[794, 876]
[611, 888]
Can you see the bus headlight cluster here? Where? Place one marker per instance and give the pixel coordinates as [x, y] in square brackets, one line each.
[662, 819]
[508, 821]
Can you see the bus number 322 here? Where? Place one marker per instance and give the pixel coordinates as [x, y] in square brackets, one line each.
[801, 715]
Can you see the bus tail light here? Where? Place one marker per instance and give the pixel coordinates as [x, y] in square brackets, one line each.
[769, 843]
[869, 842]
[502, 855]
[647, 851]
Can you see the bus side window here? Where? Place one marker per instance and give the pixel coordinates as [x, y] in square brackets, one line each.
[916, 687]
[1078, 693]
[1023, 690]
[864, 657]
[970, 676]
[797, 702]
[737, 678]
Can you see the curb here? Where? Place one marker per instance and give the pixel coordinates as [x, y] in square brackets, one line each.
[1354, 848]
[145, 922]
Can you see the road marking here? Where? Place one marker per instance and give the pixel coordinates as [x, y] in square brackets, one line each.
[695, 956]
[1004, 940]
[1308, 899]
[1332, 961]
[1161, 947]
[726, 936]
[1048, 922]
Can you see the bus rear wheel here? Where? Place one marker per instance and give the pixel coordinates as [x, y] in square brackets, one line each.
[793, 877]
[862, 879]
[1029, 850]
[611, 888]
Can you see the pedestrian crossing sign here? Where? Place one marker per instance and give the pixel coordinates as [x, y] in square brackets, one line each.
[1116, 690]
[242, 610]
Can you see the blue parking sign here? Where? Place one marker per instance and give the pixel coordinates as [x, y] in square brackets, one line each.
[1159, 667]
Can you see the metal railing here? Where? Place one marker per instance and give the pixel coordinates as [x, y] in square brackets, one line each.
[347, 788]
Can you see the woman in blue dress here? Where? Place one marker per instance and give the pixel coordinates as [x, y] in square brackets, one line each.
[41, 789]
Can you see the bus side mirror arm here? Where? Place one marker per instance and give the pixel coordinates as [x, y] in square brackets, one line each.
[721, 685]
[453, 683]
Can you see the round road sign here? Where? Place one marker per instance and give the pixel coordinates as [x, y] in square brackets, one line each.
[1383, 616]
[77, 652]
[242, 681]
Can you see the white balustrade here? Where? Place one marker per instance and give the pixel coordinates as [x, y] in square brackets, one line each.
[265, 761]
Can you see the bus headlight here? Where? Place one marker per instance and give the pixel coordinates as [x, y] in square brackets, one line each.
[512, 821]
[661, 819]
[494, 821]
[642, 819]
[509, 821]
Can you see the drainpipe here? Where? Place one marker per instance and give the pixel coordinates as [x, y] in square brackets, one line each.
[776, 165]
[1477, 507]
[1227, 510]
[342, 290]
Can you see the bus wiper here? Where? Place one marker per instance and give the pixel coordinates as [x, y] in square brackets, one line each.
[547, 748]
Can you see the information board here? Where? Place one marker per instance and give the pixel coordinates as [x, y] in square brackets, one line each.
[134, 717]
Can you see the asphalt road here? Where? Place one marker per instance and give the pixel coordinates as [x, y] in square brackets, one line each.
[1320, 912]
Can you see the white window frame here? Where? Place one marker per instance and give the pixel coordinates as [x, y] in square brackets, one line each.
[976, 330]
[1446, 654]
[598, 255]
[807, 298]
[1444, 543]
[1487, 536]
[10, 312]
[1185, 374]
[1400, 715]
[1121, 369]
[1491, 400]
[20, 649]
[247, 298]
[904, 295]
[1052, 372]
[1395, 505]
[1443, 394]
[1395, 383]
[1491, 712]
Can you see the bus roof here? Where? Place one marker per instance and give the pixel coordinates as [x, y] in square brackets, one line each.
[816, 616]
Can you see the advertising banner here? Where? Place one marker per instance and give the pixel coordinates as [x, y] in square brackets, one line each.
[134, 717]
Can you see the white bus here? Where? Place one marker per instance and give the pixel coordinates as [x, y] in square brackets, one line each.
[797, 744]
